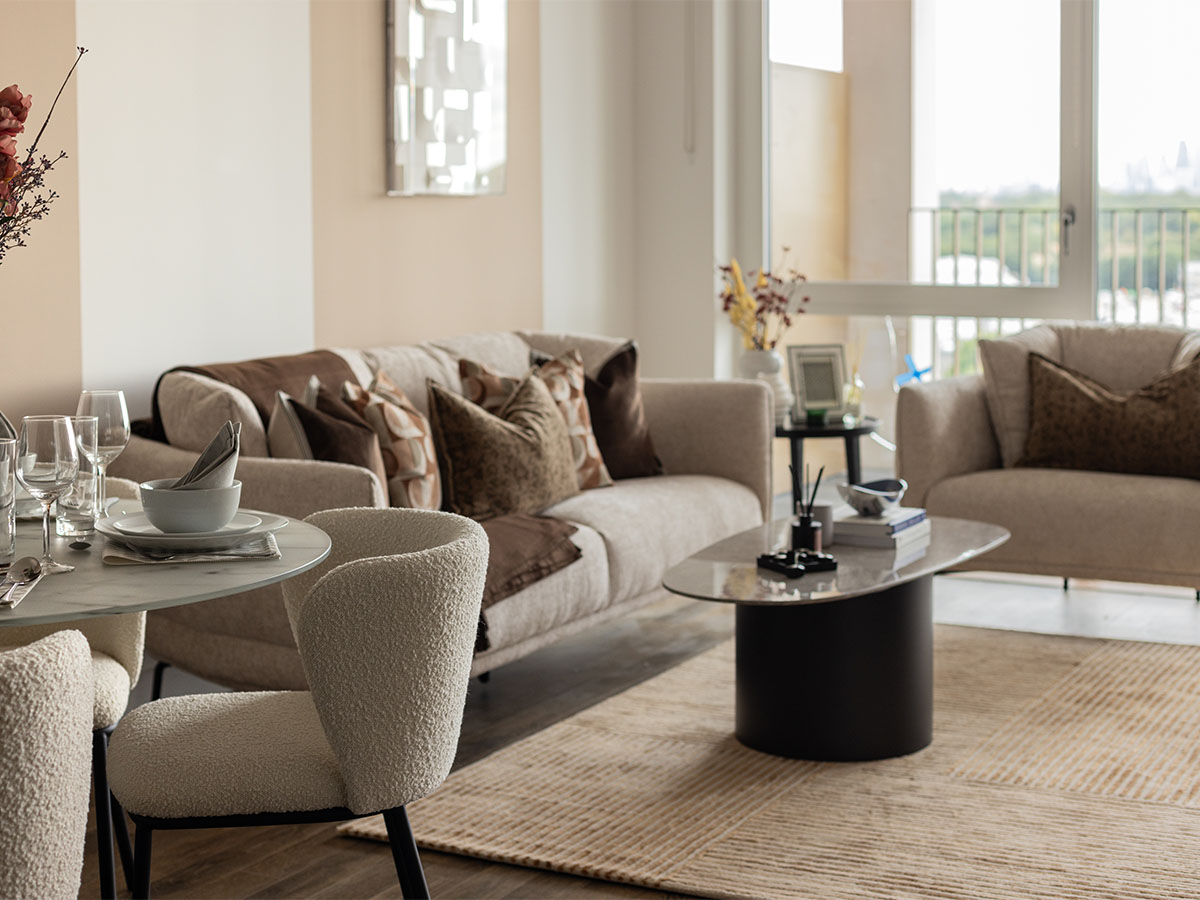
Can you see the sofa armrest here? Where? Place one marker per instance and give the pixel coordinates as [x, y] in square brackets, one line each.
[704, 427]
[291, 487]
[943, 429]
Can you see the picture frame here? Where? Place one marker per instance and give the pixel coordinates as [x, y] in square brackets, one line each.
[818, 373]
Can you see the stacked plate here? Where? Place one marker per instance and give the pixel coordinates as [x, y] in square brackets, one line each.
[135, 530]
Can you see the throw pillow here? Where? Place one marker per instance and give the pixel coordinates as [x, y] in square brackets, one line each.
[565, 379]
[1078, 423]
[517, 461]
[1006, 381]
[335, 433]
[405, 440]
[614, 399]
[285, 434]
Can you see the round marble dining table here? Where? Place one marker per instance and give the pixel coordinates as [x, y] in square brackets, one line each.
[96, 589]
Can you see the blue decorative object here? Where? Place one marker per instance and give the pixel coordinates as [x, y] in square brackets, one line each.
[913, 373]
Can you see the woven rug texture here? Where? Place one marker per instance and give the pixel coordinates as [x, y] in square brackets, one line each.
[1061, 768]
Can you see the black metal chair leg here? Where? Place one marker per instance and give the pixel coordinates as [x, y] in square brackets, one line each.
[404, 853]
[159, 668]
[142, 837]
[123, 845]
[104, 831]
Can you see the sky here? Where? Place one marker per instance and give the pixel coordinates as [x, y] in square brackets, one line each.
[996, 95]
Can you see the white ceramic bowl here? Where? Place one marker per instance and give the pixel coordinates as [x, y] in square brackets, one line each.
[875, 497]
[187, 512]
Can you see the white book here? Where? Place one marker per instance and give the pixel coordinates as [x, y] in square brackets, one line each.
[892, 522]
[907, 537]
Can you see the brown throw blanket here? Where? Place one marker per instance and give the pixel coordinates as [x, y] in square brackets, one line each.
[523, 549]
[259, 379]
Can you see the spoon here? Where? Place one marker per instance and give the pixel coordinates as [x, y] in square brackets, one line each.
[23, 571]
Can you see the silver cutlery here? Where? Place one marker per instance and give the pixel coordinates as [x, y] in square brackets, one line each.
[22, 572]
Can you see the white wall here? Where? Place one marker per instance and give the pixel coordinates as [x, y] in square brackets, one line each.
[196, 198]
[587, 89]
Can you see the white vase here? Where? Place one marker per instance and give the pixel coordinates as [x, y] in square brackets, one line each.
[767, 365]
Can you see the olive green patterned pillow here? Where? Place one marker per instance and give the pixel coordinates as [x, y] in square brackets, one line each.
[1077, 423]
[518, 460]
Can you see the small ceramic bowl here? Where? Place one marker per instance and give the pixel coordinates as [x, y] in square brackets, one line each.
[188, 512]
[875, 497]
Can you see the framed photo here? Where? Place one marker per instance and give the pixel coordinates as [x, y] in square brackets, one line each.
[818, 377]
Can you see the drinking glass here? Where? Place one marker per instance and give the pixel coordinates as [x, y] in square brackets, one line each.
[47, 463]
[112, 434]
[77, 504]
[8, 500]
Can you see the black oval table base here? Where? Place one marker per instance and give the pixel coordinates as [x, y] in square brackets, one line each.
[846, 681]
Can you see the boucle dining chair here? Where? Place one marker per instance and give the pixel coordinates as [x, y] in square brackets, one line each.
[117, 643]
[45, 723]
[386, 632]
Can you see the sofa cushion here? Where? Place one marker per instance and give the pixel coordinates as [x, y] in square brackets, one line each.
[1078, 423]
[412, 368]
[595, 349]
[336, 433]
[502, 351]
[1006, 375]
[580, 589]
[1066, 522]
[192, 408]
[518, 461]
[1120, 357]
[614, 397]
[650, 524]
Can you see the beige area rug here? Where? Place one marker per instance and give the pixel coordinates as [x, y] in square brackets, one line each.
[1060, 768]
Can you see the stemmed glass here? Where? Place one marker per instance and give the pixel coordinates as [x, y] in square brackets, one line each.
[112, 434]
[47, 463]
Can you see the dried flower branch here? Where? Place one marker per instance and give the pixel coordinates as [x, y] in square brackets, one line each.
[762, 313]
[24, 196]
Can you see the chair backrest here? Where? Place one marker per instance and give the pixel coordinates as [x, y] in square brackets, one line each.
[122, 637]
[45, 765]
[386, 634]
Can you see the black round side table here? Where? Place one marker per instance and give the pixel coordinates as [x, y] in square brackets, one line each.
[849, 430]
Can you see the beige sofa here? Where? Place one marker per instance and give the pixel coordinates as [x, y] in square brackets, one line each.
[712, 437]
[957, 440]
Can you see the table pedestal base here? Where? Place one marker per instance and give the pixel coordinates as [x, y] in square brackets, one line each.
[841, 681]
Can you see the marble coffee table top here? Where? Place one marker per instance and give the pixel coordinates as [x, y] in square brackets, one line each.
[95, 589]
[727, 572]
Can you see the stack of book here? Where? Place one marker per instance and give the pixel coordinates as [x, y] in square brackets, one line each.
[901, 529]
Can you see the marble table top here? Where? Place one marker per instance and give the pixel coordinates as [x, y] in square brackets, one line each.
[727, 572]
[95, 589]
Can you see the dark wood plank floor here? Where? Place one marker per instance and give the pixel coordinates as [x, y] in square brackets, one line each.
[520, 699]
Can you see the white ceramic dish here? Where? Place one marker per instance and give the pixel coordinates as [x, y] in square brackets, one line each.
[199, 511]
[139, 525]
[270, 522]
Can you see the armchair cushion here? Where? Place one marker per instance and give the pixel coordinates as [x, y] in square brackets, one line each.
[1006, 375]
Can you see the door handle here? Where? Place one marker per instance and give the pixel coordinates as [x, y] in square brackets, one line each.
[1068, 219]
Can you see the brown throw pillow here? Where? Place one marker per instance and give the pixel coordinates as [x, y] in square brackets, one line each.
[614, 399]
[1078, 423]
[565, 379]
[405, 439]
[336, 433]
[517, 461]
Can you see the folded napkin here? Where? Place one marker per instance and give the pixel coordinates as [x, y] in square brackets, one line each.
[217, 464]
[19, 592]
[258, 547]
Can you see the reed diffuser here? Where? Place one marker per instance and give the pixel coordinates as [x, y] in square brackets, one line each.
[806, 531]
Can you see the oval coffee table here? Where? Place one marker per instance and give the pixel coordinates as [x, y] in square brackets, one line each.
[833, 665]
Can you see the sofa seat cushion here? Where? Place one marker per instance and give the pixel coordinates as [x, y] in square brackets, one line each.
[650, 524]
[224, 754]
[571, 593]
[1084, 524]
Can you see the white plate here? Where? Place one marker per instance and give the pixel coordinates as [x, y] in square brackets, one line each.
[138, 525]
[270, 522]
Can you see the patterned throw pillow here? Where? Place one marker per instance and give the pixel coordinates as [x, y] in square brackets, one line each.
[405, 438]
[514, 462]
[565, 378]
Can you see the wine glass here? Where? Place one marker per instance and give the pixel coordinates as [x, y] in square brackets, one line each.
[47, 463]
[112, 434]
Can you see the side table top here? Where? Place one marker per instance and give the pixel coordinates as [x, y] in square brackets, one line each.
[834, 428]
[727, 571]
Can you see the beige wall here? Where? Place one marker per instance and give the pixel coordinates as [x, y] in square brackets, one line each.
[39, 283]
[397, 269]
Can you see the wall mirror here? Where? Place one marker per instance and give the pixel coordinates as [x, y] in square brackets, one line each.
[447, 81]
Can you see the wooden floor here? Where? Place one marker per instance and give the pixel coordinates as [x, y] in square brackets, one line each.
[531, 694]
[519, 699]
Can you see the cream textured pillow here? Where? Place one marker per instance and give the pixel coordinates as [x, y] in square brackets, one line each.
[285, 434]
[405, 439]
[1006, 377]
[518, 461]
[194, 407]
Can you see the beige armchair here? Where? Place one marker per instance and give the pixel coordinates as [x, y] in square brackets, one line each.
[385, 628]
[45, 726]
